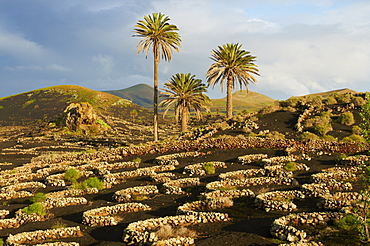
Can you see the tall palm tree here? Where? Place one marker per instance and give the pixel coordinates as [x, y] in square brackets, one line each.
[162, 38]
[233, 65]
[184, 92]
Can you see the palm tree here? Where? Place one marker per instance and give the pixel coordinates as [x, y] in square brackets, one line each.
[185, 93]
[162, 38]
[234, 65]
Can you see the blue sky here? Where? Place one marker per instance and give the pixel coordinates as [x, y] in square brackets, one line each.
[301, 46]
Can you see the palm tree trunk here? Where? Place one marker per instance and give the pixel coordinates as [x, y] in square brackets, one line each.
[229, 98]
[184, 119]
[155, 101]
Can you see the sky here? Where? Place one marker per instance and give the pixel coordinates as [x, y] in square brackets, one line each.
[301, 46]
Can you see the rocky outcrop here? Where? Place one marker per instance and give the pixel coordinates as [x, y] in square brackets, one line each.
[81, 117]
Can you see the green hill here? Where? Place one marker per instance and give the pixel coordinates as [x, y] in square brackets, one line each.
[47, 104]
[243, 100]
[140, 94]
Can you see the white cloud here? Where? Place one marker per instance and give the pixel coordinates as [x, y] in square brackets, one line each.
[16, 45]
[106, 62]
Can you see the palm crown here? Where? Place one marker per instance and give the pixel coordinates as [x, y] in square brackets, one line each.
[184, 92]
[230, 61]
[233, 65]
[158, 34]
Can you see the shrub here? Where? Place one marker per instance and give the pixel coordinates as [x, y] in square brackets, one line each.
[358, 101]
[137, 160]
[72, 175]
[228, 188]
[347, 119]
[349, 222]
[38, 197]
[323, 129]
[290, 102]
[270, 109]
[209, 168]
[167, 231]
[356, 130]
[317, 101]
[103, 124]
[342, 156]
[1, 242]
[94, 182]
[343, 98]
[354, 138]
[309, 136]
[58, 225]
[329, 138]
[35, 208]
[330, 100]
[290, 166]
[275, 134]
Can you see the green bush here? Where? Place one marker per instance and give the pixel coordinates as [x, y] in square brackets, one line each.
[92, 182]
[275, 135]
[1, 242]
[354, 138]
[330, 100]
[317, 101]
[58, 225]
[38, 197]
[342, 156]
[209, 168]
[329, 138]
[290, 102]
[72, 175]
[137, 160]
[347, 119]
[358, 101]
[344, 98]
[35, 208]
[356, 130]
[323, 129]
[290, 166]
[309, 136]
[349, 222]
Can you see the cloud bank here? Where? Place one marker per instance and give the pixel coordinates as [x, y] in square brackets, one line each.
[301, 47]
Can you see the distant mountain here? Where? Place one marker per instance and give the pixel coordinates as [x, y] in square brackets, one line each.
[244, 100]
[47, 104]
[140, 94]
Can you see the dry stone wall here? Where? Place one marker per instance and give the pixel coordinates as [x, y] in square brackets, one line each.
[143, 232]
[27, 238]
[103, 216]
[197, 169]
[278, 200]
[129, 194]
[284, 228]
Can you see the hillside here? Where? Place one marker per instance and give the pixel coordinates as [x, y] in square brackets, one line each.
[140, 94]
[244, 100]
[329, 93]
